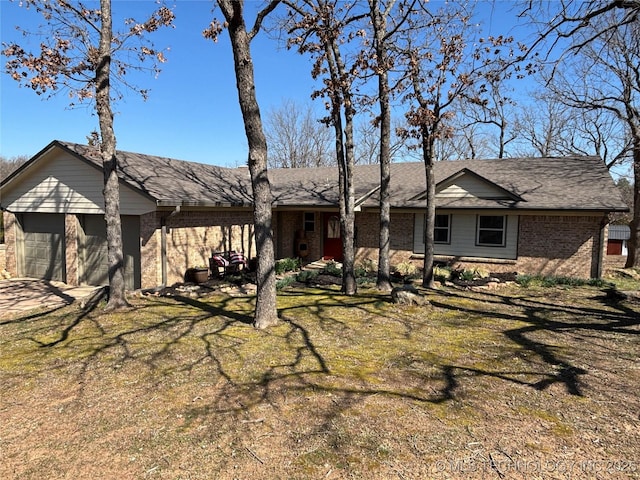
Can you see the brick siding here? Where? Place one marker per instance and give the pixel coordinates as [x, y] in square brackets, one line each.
[289, 225]
[193, 235]
[71, 249]
[150, 250]
[560, 245]
[10, 239]
[401, 239]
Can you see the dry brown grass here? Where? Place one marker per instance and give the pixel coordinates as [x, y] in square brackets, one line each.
[514, 383]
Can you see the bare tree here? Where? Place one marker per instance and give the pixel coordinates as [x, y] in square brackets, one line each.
[626, 190]
[479, 121]
[318, 28]
[444, 64]
[80, 53]
[605, 79]
[233, 11]
[569, 25]
[380, 13]
[297, 139]
[9, 165]
[544, 130]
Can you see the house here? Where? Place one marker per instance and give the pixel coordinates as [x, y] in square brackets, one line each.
[533, 215]
[617, 239]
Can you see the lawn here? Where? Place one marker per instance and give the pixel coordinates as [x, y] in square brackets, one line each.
[506, 383]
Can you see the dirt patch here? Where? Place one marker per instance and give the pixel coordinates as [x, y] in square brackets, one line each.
[508, 383]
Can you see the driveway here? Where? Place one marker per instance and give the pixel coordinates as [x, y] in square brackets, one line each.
[19, 295]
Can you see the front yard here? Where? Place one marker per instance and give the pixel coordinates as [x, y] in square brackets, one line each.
[506, 383]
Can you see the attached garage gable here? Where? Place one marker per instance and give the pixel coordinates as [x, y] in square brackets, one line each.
[58, 182]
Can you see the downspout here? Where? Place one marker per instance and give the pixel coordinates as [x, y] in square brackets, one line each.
[163, 243]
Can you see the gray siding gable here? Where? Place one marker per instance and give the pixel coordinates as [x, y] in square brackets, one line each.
[57, 181]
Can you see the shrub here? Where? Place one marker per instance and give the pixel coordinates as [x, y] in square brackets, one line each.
[331, 268]
[307, 276]
[367, 267]
[406, 268]
[287, 265]
[441, 274]
[525, 280]
[285, 282]
[465, 275]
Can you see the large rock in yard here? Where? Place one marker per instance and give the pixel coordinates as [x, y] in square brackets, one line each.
[407, 295]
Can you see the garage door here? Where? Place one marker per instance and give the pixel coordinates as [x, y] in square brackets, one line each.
[93, 251]
[44, 251]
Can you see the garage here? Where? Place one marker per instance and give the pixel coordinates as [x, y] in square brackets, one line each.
[94, 269]
[44, 246]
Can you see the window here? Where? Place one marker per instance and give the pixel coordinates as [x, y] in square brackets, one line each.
[309, 222]
[333, 227]
[442, 229]
[491, 230]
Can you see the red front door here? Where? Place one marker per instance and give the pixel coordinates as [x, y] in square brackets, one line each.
[332, 240]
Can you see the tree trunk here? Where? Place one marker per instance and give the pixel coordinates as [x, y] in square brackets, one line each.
[430, 217]
[117, 296]
[266, 313]
[347, 211]
[379, 25]
[345, 205]
[633, 255]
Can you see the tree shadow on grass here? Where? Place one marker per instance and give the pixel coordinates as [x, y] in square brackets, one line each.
[212, 339]
[547, 317]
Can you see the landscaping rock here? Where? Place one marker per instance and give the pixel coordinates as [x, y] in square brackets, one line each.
[407, 295]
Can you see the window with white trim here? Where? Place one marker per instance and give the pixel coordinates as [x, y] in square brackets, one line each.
[491, 230]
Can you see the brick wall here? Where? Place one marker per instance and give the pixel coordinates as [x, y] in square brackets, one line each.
[71, 249]
[401, 241]
[150, 250]
[10, 237]
[193, 235]
[285, 226]
[288, 225]
[559, 245]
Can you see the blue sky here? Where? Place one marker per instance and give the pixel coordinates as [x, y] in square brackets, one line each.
[192, 112]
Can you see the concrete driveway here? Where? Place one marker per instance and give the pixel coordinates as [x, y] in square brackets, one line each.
[20, 295]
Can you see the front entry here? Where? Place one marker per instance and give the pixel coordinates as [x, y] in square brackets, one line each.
[332, 240]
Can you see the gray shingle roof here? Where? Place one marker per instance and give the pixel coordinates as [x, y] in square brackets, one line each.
[568, 183]
[176, 182]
